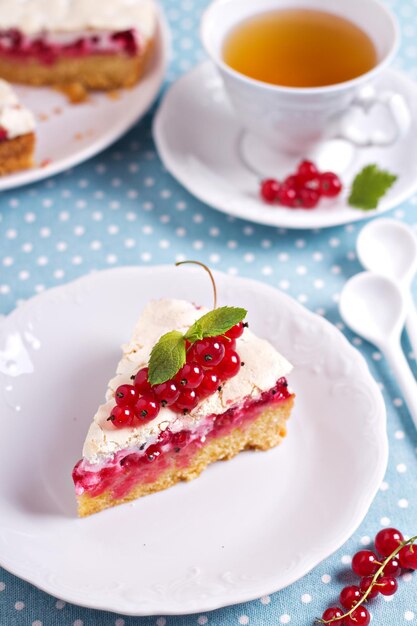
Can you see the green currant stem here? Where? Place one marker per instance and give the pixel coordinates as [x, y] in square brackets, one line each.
[374, 582]
[209, 273]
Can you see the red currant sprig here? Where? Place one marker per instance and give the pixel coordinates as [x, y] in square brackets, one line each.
[377, 577]
[302, 190]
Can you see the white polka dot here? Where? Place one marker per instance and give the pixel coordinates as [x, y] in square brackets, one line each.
[59, 604]
[24, 275]
[283, 257]
[42, 260]
[399, 434]
[4, 289]
[267, 270]
[249, 257]
[384, 486]
[401, 468]
[403, 503]
[284, 619]
[2, 586]
[146, 256]
[409, 616]
[232, 244]
[365, 540]
[299, 243]
[77, 260]
[79, 230]
[318, 283]
[95, 245]
[119, 622]
[301, 270]
[164, 244]
[284, 284]
[214, 258]
[317, 256]
[407, 577]
[8, 261]
[265, 600]
[346, 559]
[214, 232]
[397, 402]
[161, 621]
[61, 246]
[198, 218]
[59, 274]
[78, 622]
[377, 356]
[203, 619]
[385, 521]
[19, 606]
[198, 245]
[64, 216]
[37, 622]
[243, 619]
[11, 233]
[97, 216]
[306, 598]
[111, 259]
[334, 242]
[130, 243]
[27, 247]
[30, 217]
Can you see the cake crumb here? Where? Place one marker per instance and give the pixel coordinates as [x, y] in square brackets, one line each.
[75, 92]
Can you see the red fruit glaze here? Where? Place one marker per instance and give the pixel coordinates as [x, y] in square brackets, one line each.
[269, 190]
[121, 416]
[141, 381]
[189, 376]
[187, 400]
[333, 613]
[387, 585]
[408, 557]
[330, 184]
[364, 586]
[146, 408]
[349, 596]
[126, 395]
[236, 331]
[359, 617]
[387, 540]
[306, 171]
[166, 393]
[365, 563]
[230, 365]
[208, 352]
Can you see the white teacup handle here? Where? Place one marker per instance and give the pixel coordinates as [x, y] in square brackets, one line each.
[397, 108]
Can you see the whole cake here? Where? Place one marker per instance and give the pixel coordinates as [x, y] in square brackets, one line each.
[228, 393]
[96, 44]
[17, 136]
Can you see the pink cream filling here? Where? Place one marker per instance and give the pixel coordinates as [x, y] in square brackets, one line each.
[131, 467]
[48, 47]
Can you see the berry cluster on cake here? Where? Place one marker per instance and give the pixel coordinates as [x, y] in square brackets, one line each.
[17, 136]
[95, 44]
[192, 387]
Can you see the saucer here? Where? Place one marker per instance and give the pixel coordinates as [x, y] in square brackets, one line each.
[203, 145]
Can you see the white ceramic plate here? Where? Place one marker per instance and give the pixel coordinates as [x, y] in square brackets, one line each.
[245, 528]
[199, 139]
[68, 134]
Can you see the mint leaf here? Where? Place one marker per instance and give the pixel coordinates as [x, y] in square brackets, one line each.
[215, 322]
[167, 357]
[369, 186]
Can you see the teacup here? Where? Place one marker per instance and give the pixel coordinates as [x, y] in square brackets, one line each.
[293, 119]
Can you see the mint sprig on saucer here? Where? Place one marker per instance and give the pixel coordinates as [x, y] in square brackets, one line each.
[369, 186]
[169, 354]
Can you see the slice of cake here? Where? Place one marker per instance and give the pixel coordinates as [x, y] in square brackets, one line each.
[17, 137]
[230, 395]
[92, 44]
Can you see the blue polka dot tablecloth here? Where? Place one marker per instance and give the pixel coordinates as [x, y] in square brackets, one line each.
[123, 208]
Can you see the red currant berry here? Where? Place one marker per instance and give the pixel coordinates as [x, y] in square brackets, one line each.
[121, 416]
[141, 381]
[208, 352]
[209, 384]
[408, 557]
[166, 393]
[236, 331]
[181, 439]
[309, 198]
[306, 171]
[364, 586]
[229, 344]
[359, 617]
[126, 395]
[165, 437]
[189, 376]
[333, 613]
[349, 596]
[387, 540]
[287, 196]
[387, 585]
[330, 185]
[146, 408]
[230, 365]
[187, 400]
[393, 567]
[153, 452]
[269, 190]
[292, 182]
[365, 563]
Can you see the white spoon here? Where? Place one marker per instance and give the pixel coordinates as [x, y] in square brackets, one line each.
[389, 248]
[375, 308]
